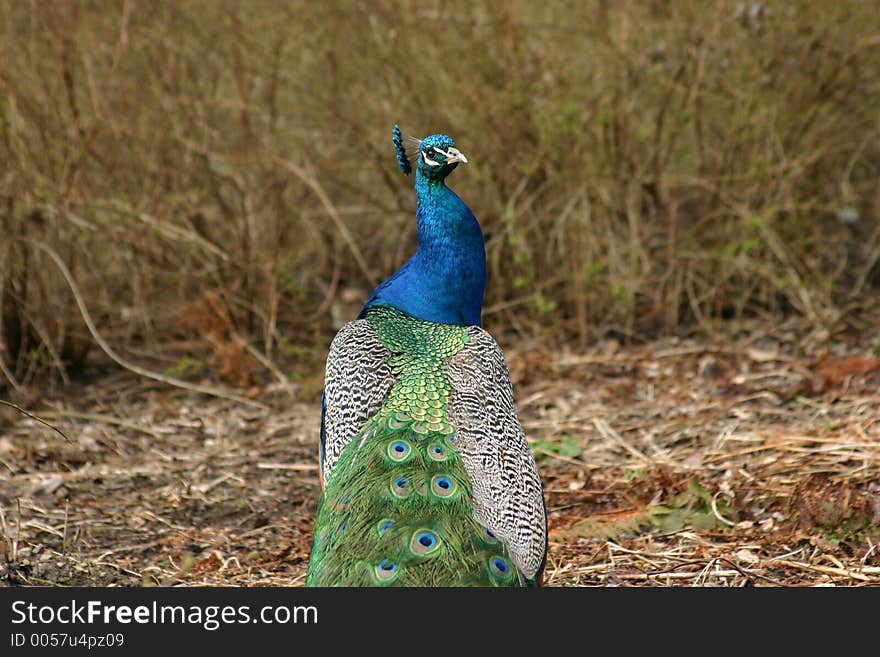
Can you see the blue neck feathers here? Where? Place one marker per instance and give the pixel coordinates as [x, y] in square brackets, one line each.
[445, 278]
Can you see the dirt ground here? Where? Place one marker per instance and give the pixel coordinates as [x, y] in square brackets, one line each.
[749, 462]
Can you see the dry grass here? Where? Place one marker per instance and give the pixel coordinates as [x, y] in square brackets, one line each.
[752, 461]
[219, 179]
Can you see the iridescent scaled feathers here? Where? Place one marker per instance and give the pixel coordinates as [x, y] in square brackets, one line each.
[445, 279]
[439, 486]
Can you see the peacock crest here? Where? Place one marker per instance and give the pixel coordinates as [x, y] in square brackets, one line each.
[407, 149]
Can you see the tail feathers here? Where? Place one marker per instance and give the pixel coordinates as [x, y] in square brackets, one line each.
[398, 510]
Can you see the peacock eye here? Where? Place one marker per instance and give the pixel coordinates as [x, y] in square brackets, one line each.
[431, 152]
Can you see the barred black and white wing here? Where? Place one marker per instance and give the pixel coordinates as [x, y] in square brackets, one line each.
[508, 496]
[357, 380]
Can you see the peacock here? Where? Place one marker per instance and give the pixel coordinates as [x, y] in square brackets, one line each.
[427, 476]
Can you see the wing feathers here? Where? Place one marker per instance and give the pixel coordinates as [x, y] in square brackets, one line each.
[356, 382]
[508, 494]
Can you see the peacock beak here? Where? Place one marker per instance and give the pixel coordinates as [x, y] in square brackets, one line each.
[455, 155]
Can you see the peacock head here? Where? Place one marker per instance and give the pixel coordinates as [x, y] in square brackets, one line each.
[435, 156]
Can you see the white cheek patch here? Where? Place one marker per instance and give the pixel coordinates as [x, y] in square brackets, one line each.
[429, 161]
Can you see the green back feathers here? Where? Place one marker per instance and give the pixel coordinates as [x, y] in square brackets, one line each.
[398, 505]
[420, 350]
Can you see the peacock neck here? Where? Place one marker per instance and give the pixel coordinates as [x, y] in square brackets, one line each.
[447, 229]
[445, 278]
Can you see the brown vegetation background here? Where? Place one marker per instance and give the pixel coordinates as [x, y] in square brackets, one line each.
[218, 179]
[680, 201]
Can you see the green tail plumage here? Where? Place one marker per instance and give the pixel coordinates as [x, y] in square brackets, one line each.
[398, 511]
[398, 506]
